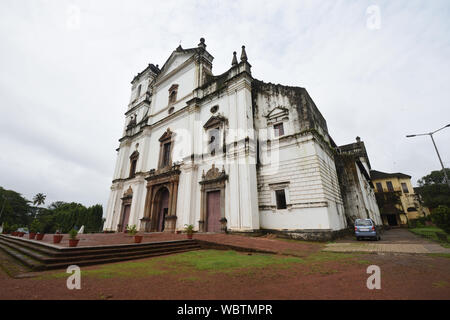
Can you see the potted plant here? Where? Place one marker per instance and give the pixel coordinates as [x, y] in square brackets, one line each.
[189, 230]
[20, 233]
[73, 241]
[40, 235]
[6, 228]
[34, 227]
[57, 237]
[14, 228]
[133, 232]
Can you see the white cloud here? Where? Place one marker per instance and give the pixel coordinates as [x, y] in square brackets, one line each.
[64, 90]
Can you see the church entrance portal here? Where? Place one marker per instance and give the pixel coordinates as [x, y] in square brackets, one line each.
[213, 212]
[162, 201]
[126, 217]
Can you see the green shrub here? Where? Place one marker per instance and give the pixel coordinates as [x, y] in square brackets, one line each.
[441, 217]
[73, 234]
[189, 228]
[132, 230]
[415, 223]
[35, 226]
[6, 227]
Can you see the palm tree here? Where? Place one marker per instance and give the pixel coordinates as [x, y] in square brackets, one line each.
[39, 199]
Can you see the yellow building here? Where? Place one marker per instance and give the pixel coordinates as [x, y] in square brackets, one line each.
[396, 198]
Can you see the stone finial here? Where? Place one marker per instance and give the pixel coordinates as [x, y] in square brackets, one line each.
[358, 139]
[234, 62]
[202, 43]
[243, 55]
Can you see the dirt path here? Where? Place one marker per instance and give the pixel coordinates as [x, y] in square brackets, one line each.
[323, 276]
[268, 244]
[393, 241]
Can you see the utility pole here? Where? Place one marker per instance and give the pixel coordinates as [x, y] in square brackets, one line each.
[434, 143]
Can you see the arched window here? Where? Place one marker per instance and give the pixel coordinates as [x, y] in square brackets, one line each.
[133, 163]
[173, 93]
[138, 92]
[165, 152]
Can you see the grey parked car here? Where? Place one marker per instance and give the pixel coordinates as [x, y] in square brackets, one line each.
[366, 228]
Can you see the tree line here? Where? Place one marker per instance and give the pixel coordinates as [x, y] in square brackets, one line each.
[16, 210]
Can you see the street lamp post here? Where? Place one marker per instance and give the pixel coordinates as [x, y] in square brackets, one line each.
[434, 143]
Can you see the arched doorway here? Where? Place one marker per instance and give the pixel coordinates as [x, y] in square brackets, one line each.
[162, 208]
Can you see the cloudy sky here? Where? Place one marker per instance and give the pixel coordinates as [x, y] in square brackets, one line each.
[377, 69]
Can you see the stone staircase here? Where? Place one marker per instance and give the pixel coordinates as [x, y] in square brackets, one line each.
[39, 256]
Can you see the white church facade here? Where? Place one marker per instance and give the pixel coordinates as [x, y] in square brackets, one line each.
[226, 152]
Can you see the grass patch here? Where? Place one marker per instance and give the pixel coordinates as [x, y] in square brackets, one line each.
[226, 261]
[430, 232]
[190, 279]
[442, 255]
[185, 264]
[440, 284]
[317, 243]
[325, 256]
[189, 266]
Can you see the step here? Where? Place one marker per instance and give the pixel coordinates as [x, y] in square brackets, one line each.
[38, 266]
[24, 259]
[67, 251]
[39, 256]
[99, 253]
[112, 260]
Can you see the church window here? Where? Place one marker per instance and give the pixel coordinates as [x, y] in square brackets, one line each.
[379, 187]
[214, 109]
[278, 129]
[138, 94]
[166, 154]
[389, 186]
[173, 93]
[280, 198]
[133, 163]
[405, 188]
[165, 151]
[213, 140]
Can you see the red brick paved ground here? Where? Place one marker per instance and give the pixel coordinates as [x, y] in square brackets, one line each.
[403, 277]
[260, 243]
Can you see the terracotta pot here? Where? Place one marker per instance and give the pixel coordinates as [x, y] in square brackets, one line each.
[57, 238]
[73, 242]
[189, 235]
[21, 234]
[31, 235]
[178, 231]
[40, 236]
[138, 239]
[14, 233]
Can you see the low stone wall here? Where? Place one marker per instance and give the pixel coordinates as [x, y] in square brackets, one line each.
[310, 235]
[222, 246]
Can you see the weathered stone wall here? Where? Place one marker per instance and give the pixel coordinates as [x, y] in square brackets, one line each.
[356, 190]
[300, 161]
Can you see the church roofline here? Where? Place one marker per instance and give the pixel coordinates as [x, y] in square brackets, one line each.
[201, 49]
[150, 67]
[376, 175]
